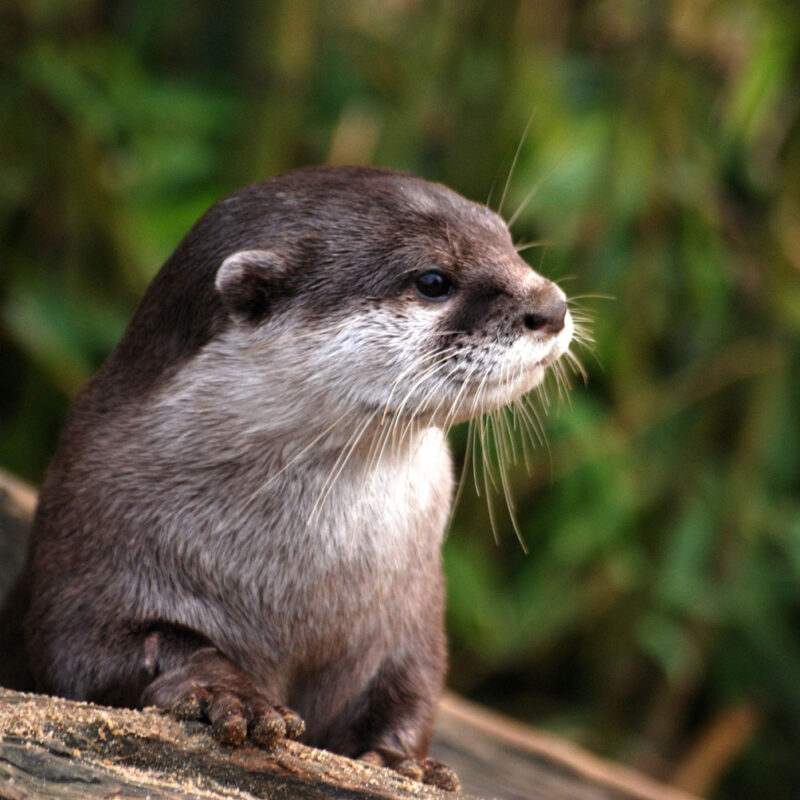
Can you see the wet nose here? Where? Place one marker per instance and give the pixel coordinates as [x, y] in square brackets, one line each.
[547, 316]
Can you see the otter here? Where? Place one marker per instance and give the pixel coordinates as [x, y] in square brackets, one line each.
[243, 519]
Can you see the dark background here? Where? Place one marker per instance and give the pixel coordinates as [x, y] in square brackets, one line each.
[655, 618]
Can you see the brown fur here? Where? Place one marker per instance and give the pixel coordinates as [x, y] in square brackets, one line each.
[165, 569]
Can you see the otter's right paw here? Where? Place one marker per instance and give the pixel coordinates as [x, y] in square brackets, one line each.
[234, 715]
[208, 687]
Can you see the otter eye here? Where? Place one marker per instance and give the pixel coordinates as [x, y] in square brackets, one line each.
[433, 285]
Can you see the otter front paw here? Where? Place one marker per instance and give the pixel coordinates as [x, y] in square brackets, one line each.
[424, 770]
[235, 714]
[210, 688]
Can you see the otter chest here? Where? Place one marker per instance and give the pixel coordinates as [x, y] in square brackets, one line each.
[322, 563]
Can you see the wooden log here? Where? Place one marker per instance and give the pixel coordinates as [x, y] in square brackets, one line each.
[50, 747]
[55, 748]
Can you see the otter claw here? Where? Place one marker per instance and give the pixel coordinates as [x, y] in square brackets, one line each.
[230, 730]
[440, 775]
[268, 728]
[410, 768]
[295, 725]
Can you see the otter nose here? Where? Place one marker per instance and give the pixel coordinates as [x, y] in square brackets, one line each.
[547, 318]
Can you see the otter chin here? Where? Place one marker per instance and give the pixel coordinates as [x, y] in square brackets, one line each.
[243, 520]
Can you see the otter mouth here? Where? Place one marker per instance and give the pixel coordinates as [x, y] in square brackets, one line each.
[538, 368]
[551, 357]
[460, 397]
[501, 390]
[488, 396]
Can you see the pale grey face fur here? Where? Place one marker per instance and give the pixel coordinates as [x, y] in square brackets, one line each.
[389, 357]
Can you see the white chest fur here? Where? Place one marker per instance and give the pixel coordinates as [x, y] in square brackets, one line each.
[279, 549]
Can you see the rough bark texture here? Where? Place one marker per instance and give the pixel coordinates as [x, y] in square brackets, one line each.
[55, 748]
[50, 747]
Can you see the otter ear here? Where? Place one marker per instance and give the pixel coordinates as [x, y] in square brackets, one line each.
[248, 281]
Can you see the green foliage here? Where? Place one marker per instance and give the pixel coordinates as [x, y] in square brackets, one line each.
[661, 168]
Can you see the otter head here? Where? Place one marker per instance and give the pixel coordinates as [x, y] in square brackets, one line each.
[380, 292]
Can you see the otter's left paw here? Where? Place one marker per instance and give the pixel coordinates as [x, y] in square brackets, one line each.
[424, 770]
